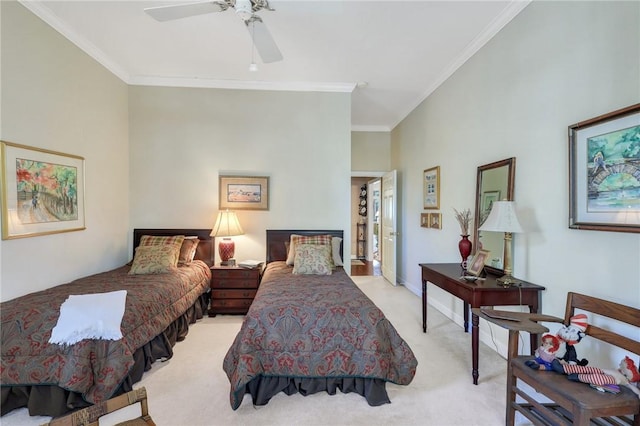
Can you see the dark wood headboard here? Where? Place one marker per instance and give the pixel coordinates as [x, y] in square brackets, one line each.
[206, 247]
[276, 238]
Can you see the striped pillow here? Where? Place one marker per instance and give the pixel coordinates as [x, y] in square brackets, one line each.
[305, 239]
[154, 240]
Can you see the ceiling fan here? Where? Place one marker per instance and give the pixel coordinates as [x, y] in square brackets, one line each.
[246, 9]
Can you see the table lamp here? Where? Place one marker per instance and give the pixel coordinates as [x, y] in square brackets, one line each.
[227, 225]
[502, 218]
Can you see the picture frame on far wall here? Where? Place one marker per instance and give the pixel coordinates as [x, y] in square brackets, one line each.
[244, 192]
[42, 191]
[435, 220]
[604, 166]
[431, 188]
[424, 220]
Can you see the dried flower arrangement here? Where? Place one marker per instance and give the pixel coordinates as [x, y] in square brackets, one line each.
[464, 219]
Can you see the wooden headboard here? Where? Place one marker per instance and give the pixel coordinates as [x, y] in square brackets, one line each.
[206, 247]
[276, 238]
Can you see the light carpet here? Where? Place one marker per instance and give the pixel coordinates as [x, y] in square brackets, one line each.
[357, 262]
[191, 388]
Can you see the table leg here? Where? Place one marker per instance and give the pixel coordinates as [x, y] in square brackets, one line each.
[533, 338]
[424, 306]
[466, 316]
[474, 346]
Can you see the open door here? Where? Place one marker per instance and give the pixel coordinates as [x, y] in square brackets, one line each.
[389, 226]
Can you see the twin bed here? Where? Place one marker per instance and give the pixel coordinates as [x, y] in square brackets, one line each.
[310, 333]
[52, 379]
[304, 333]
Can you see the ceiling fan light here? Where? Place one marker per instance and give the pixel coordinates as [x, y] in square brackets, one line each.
[244, 10]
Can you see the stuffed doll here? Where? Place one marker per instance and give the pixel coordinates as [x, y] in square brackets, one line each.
[546, 353]
[569, 335]
[627, 374]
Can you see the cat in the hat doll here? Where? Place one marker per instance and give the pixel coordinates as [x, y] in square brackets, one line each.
[569, 335]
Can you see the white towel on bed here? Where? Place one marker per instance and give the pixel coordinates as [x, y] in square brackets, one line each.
[90, 316]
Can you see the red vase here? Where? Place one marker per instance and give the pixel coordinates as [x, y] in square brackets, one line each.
[465, 249]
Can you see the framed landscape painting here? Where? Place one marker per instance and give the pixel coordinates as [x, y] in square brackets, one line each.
[42, 191]
[604, 172]
[244, 192]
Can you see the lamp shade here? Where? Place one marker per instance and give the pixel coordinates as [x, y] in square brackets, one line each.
[502, 218]
[227, 225]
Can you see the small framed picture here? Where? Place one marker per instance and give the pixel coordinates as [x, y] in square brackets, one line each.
[435, 220]
[244, 192]
[477, 263]
[431, 188]
[424, 220]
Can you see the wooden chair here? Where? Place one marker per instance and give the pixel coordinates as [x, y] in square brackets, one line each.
[90, 416]
[573, 402]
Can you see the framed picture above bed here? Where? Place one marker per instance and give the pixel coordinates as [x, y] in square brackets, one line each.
[42, 191]
[244, 192]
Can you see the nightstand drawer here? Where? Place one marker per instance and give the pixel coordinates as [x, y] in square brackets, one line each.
[231, 283]
[233, 294]
[249, 274]
[242, 304]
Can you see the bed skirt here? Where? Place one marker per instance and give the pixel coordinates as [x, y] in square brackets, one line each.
[262, 388]
[51, 400]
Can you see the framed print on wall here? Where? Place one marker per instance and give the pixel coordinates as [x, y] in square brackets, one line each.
[244, 192]
[424, 220]
[42, 191]
[604, 172]
[435, 220]
[431, 188]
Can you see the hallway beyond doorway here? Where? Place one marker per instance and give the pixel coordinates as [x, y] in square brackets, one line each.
[368, 268]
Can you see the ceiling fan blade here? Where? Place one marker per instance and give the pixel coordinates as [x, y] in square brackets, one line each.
[178, 11]
[265, 45]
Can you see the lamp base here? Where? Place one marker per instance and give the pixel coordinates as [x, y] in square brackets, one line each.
[507, 280]
[226, 249]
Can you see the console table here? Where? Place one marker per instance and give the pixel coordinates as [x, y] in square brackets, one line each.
[479, 293]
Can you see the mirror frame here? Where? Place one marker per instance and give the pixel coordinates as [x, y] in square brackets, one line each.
[511, 175]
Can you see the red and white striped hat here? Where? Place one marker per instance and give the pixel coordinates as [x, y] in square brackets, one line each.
[579, 321]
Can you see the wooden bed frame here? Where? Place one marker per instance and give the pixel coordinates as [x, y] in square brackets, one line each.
[276, 249]
[206, 247]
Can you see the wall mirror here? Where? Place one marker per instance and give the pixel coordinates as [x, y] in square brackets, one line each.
[495, 182]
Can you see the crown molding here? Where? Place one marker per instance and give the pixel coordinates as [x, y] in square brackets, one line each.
[509, 12]
[294, 86]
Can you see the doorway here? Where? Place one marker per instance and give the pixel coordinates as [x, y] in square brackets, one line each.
[366, 253]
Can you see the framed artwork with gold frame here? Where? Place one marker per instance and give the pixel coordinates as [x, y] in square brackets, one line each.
[431, 188]
[42, 191]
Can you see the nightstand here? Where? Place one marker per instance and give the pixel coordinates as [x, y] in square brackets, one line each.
[233, 289]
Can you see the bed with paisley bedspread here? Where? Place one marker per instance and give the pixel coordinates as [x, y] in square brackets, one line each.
[51, 379]
[313, 333]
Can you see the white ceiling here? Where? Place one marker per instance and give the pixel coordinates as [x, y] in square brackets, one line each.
[389, 54]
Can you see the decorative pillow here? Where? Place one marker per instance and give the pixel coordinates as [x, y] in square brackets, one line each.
[305, 239]
[188, 250]
[336, 242]
[312, 259]
[174, 240]
[158, 259]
